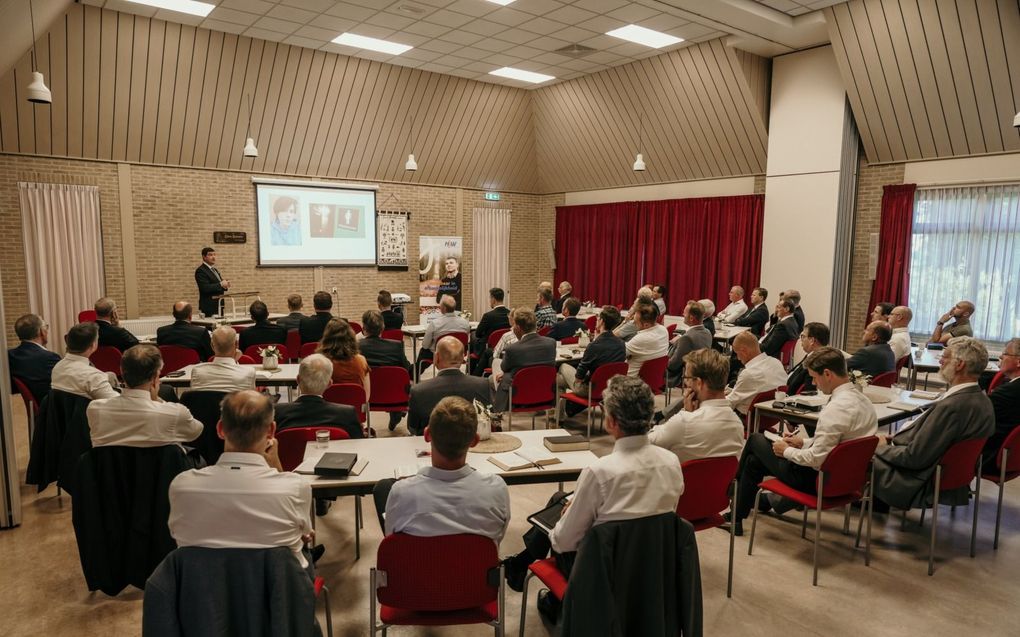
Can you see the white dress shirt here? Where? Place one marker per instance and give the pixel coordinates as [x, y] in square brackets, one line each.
[762, 373]
[441, 502]
[240, 502]
[659, 303]
[635, 481]
[847, 416]
[75, 374]
[649, 343]
[134, 419]
[444, 324]
[497, 354]
[733, 311]
[710, 431]
[222, 374]
[900, 342]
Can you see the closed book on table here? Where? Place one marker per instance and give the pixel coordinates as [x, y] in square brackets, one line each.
[336, 465]
[566, 443]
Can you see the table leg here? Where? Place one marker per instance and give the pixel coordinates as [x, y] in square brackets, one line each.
[414, 355]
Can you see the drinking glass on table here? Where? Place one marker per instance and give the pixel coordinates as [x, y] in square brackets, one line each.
[322, 438]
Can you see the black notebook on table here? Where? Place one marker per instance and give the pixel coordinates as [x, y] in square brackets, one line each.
[336, 465]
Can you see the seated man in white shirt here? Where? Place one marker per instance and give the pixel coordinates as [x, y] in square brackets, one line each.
[449, 497]
[139, 417]
[899, 319]
[650, 342]
[706, 427]
[736, 308]
[795, 460]
[761, 372]
[74, 373]
[636, 480]
[223, 373]
[245, 500]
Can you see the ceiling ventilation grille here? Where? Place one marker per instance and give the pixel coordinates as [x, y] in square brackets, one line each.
[575, 50]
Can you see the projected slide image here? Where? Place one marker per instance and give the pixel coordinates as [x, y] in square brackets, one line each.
[322, 221]
[285, 229]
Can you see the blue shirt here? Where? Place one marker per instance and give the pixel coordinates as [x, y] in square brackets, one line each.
[289, 236]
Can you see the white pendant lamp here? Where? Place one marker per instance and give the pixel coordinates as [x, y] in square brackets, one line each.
[639, 163]
[249, 146]
[411, 164]
[1016, 121]
[38, 93]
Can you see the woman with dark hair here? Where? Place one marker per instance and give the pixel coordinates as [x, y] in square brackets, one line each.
[340, 345]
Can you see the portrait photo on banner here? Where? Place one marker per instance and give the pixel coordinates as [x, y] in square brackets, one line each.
[439, 272]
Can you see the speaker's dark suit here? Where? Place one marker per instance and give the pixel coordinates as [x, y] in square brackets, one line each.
[448, 382]
[380, 352]
[755, 318]
[208, 279]
[1006, 402]
[115, 336]
[780, 334]
[33, 365]
[184, 334]
[263, 333]
[312, 327]
[314, 411]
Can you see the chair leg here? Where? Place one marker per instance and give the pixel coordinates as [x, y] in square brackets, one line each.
[733, 509]
[977, 503]
[1002, 485]
[372, 578]
[803, 526]
[846, 520]
[329, 612]
[357, 527]
[818, 527]
[590, 409]
[934, 520]
[754, 520]
[501, 627]
[923, 512]
[871, 505]
[524, 601]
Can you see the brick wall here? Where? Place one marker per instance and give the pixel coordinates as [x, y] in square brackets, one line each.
[870, 180]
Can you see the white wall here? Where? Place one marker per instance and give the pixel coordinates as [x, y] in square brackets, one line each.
[655, 192]
[963, 170]
[802, 180]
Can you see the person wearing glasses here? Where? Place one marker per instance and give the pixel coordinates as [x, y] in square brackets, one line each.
[814, 336]
[707, 427]
[1005, 400]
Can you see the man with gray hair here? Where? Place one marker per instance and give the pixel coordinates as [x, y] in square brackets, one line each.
[31, 362]
[1005, 400]
[736, 308]
[447, 322]
[111, 334]
[566, 291]
[223, 373]
[310, 409]
[905, 462]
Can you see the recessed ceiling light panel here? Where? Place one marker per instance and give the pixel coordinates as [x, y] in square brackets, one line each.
[647, 37]
[524, 76]
[190, 7]
[501, 3]
[371, 44]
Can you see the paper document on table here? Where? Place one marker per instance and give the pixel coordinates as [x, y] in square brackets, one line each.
[925, 395]
[408, 470]
[902, 406]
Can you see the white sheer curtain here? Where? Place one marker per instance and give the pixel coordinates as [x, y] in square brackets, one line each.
[63, 252]
[966, 246]
[491, 255]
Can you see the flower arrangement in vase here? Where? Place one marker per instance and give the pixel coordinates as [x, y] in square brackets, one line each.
[270, 357]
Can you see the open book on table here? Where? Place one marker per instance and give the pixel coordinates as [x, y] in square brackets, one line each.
[523, 458]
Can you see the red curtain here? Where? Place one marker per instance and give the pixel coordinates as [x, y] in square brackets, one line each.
[697, 248]
[892, 277]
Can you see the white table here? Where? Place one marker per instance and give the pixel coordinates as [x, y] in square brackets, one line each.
[286, 376]
[886, 415]
[723, 333]
[568, 353]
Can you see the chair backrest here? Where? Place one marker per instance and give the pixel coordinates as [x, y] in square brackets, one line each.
[600, 377]
[764, 422]
[997, 380]
[545, 330]
[243, 359]
[1012, 443]
[87, 316]
[239, 328]
[959, 463]
[495, 336]
[176, 357]
[786, 353]
[107, 359]
[391, 385]
[348, 394]
[253, 352]
[440, 573]
[591, 323]
[901, 363]
[307, 349]
[293, 441]
[846, 466]
[293, 343]
[534, 386]
[670, 330]
[885, 379]
[653, 372]
[460, 336]
[570, 340]
[393, 335]
[204, 406]
[706, 482]
[356, 327]
[31, 402]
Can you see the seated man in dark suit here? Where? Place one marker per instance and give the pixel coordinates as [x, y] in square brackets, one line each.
[293, 320]
[696, 336]
[784, 331]
[381, 352]
[392, 320]
[529, 350]
[1005, 401]
[263, 332]
[183, 334]
[111, 334]
[312, 326]
[566, 291]
[495, 319]
[876, 357]
[31, 362]
[310, 410]
[815, 336]
[905, 463]
[605, 348]
[570, 324]
[798, 313]
[758, 315]
[449, 381]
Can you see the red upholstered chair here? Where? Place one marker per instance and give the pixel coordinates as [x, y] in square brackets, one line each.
[391, 389]
[239, 328]
[31, 405]
[955, 470]
[653, 372]
[493, 339]
[241, 360]
[445, 580]
[533, 389]
[547, 573]
[87, 316]
[460, 336]
[107, 359]
[885, 379]
[308, 349]
[901, 363]
[590, 323]
[1007, 467]
[597, 385]
[293, 442]
[348, 394]
[321, 590]
[355, 326]
[706, 483]
[670, 330]
[843, 479]
[393, 335]
[786, 353]
[545, 330]
[997, 380]
[293, 344]
[570, 340]
[252, 352]
[764, 422]
[176, 357]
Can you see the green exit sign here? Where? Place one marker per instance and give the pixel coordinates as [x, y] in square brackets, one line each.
[492, 196]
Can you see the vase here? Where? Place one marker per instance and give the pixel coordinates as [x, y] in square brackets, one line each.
[484, 427]
[270, 362]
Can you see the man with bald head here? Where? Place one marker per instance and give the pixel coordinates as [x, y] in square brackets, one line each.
[736, 308]
[960, 315]
[899, 319]
[111, 334]
[183, 334]
[876, 357]
[449, 381]
[245, 500]
[761, 372]
[315, 374]
[447, 322]
[223, 373]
